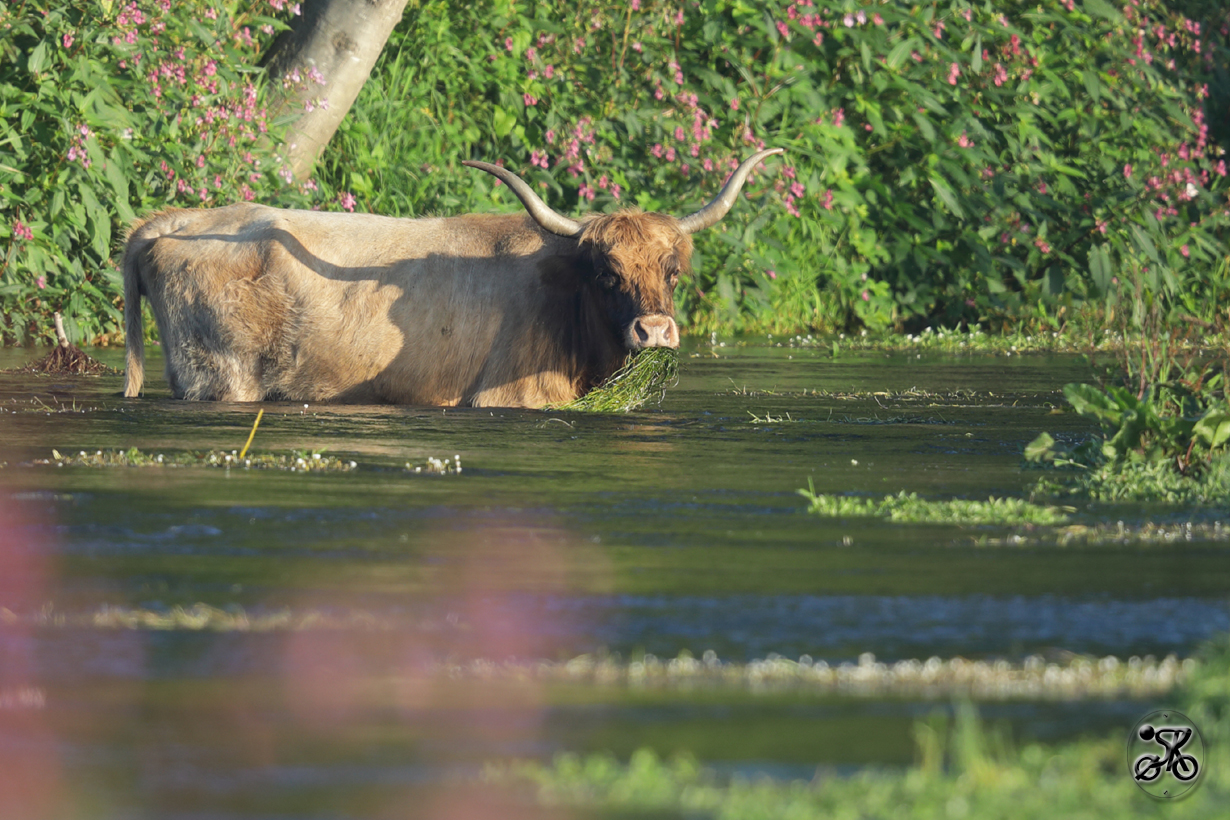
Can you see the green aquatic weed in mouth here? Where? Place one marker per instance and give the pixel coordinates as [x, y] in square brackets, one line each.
[644, 377]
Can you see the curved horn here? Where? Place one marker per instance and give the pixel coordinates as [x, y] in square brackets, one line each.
[542, 213]
[721, 204]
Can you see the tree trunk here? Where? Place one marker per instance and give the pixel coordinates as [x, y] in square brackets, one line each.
[336, 41]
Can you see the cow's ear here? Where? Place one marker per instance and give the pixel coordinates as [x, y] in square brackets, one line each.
[567, 271]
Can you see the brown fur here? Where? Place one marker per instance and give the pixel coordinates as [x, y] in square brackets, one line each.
[257, 303]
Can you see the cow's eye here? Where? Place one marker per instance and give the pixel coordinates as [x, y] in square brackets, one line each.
[607, 280]
[673, 278]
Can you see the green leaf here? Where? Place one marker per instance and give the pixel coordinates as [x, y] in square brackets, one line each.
[120, 185]
[1041, 448]
[1103, 9]
[1088, 400]
[1145, 244]
[925, 126]
[1213, 428]
[901, 52]
[502, 122]
[946, 194]
[39, 59]
[1099, 268]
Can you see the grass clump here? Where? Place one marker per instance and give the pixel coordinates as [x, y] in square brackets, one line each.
[644, 377]
[908, 508]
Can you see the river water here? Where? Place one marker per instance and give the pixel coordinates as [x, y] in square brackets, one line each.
[314, 687]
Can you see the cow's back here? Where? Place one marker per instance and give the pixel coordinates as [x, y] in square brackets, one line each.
[255, 302]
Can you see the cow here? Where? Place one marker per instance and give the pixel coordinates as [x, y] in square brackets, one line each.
[522, 310]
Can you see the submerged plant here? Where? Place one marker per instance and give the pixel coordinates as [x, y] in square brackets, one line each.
[644, 377]
[296, 462]
[908, 508]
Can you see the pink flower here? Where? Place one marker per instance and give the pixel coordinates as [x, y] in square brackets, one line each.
[1221, 168]
[41, 282]
[707, 164]
[1041, 245]
[954, 71]
[772, 273]
[964, 141]
[797, 189]
[656, 150]
[348, 201]
[538, 158]
[615, 189]
[508, 44]
[1186, 253]
[827, 202]
[839, 117]
[1001, 75]
[1102, 228]
[1127, 171]
[783, 29]
[530, 99]
[21, 230]
[549, 72]
[550, 137]
[636, 5]
[734, 104]
[68, 40]
[670, 154]
[848, 21]
[866, 296]
[877, 19]
[586, 191]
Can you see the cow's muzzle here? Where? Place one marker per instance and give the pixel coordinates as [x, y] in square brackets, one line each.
[654, 330]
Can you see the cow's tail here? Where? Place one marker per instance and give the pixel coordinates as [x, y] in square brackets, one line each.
[134, 327]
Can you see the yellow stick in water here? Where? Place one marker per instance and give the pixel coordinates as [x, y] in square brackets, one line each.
[252, 435]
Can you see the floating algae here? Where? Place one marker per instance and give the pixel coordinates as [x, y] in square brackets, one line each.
[644, 377]
[296, 462]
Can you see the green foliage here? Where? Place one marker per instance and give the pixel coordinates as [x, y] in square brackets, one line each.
[645, 377]
[908, 508]
[999, 164]
[1166, 443]
[961, 163]
[109, 110]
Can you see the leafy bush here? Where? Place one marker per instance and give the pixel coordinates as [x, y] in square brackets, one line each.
[109, 110]
[952, 163]
[958, 163]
